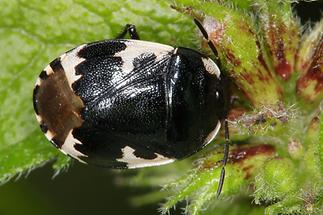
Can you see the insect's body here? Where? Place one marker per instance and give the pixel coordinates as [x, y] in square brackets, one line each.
[130, 103]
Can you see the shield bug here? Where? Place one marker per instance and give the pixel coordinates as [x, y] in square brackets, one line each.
[127, 103]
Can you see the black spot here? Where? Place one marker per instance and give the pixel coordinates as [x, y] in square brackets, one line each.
[102, 48]
[144, 60]
[103, 147]
[35, 93]
[144, 154]
[56, 65]
[57, 143]
[43, 127]
[43, 75]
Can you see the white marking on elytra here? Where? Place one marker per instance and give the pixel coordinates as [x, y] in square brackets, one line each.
[38, 82]
[69, 61]
[213, 133]
[48, 70]
[211, 67]
[49, 135]
[39, 119]
[68, 147]
[136, 48]
[136, 162]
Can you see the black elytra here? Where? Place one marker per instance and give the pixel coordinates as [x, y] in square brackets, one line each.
[127, 103]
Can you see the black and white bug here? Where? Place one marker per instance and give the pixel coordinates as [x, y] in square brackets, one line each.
[127, 103]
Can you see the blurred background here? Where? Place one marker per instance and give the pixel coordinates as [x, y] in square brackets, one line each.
[81, 190]
[84, 189]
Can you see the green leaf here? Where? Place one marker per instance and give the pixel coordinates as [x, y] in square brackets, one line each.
[310, 65]
[321, 138]
[35, 32]
[237, 206]
[257, 42]
[234, 35]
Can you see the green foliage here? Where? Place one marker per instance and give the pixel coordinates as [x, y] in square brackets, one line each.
[238, 46]
[320, 146]
[257, 42]
[276, 125]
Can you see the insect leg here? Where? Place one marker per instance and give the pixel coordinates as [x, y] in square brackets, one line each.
[206, 36]
[131, 30]
[226, 128]
[225, 158]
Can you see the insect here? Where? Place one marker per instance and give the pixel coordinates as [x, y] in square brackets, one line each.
[127, 103]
